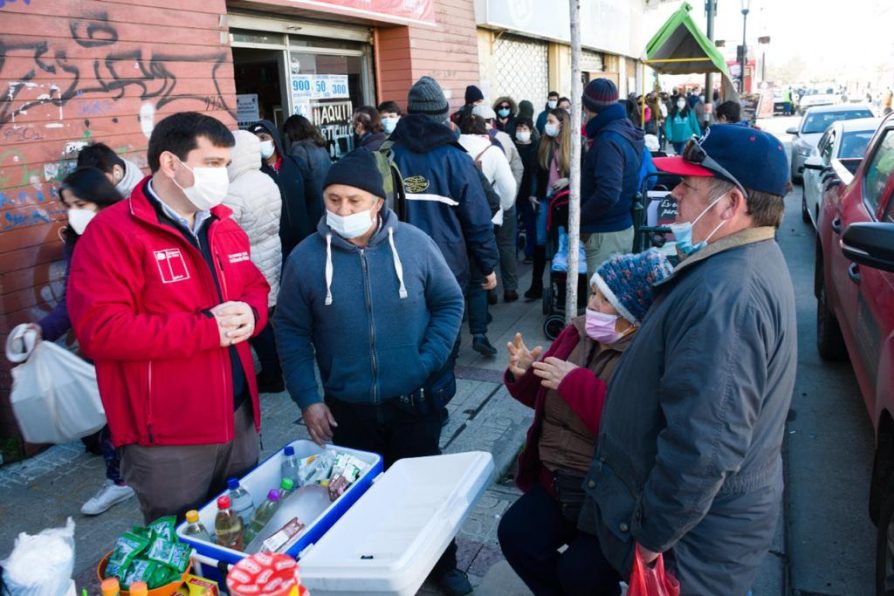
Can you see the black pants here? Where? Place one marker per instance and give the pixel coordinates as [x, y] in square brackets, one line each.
[395, 433]
[531, 532]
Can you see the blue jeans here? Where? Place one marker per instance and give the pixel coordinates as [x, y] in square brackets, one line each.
[529, 221]
[110, 455]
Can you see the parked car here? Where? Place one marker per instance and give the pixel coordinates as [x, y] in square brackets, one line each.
[846, 141]
[779, 101]
[814, 98]
[854, 287]
[813, 125]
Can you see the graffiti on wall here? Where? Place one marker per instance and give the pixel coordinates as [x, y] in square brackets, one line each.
[4, 3]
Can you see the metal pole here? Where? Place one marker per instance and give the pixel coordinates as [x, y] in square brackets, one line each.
[709, 87]
[744, 49]
[574, 173]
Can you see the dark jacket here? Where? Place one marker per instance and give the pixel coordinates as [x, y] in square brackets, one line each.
[379, 326]
[689, 452]
[314, 162]
[298, 218]
[372, 140]
[445, 198]
[541, 118]
[610, 175]
[56, 323]
[528, 186]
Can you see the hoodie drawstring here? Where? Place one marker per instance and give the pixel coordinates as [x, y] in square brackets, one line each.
[397, 265]
[328, 269]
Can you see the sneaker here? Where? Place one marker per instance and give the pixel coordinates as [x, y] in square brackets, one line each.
[110, 494]
[455, 583]
[482, 345]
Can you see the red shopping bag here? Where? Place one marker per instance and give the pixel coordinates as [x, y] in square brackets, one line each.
[651, 581]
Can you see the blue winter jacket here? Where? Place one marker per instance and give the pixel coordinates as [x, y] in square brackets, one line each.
[611, 173]
[381, 322]
[445, 198]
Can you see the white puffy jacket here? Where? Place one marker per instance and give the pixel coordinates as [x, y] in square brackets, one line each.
[495, 168]
[255, 200]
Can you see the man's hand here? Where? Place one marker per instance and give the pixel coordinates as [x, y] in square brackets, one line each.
[647, 556]
[553, 371]
[235, 322]
[490, 282]
[319, 422]
[520, 357]
[534, 202]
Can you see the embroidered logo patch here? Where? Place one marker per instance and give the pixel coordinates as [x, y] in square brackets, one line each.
[239, 257]
[171, 265]
[416, 184]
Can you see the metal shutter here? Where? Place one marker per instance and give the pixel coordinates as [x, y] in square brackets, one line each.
[522, 69]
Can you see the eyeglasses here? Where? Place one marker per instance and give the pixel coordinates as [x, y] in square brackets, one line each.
[693, 152]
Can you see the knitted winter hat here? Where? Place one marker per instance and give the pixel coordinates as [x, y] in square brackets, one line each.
[600, 94]
[426, 98]
[626, 281]
[525, 108]
[358, 169]
[473, 94]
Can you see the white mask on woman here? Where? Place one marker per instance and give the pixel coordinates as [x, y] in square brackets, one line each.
[551, 130]
[79, 218]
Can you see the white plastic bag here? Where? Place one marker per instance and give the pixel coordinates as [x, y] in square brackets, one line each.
[54, 396]
[41, 565]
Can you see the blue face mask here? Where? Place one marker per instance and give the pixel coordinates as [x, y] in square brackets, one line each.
[504, 112]
[683, 232]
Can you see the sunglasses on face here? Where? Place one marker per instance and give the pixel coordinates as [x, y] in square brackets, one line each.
[693, 152]
[504, 107]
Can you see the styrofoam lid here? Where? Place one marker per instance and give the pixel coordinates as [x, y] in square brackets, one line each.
[391, 538]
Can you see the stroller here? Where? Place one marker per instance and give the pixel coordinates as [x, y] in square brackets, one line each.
[554, 292]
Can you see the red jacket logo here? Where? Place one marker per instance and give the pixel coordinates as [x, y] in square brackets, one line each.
[171, 265]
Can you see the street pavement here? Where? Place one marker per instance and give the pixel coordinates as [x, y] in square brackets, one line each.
[824, 542]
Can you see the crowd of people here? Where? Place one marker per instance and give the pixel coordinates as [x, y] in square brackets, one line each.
[657, 413]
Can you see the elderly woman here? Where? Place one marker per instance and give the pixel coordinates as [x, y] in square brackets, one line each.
[566, 388]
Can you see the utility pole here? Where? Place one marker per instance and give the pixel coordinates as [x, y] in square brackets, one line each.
[710, 9]
[574, 173]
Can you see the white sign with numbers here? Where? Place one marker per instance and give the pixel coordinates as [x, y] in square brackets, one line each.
[307, 86]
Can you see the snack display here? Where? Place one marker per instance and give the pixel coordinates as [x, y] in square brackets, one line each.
[152, 555]
[198, 586]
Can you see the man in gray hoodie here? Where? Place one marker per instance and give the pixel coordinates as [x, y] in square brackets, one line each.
[124, 174]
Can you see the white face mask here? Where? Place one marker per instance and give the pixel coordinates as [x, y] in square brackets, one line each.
[209, 187]
[681, 104]
[79, 218]
[552, 103]
[267, 149]
[523, 136]
[389, 124]
[551, 130]
[350, 226]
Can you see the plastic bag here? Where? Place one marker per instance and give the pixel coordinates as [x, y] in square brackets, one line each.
[560, 259]
[54, 395]
[651, 581]
[41, 565]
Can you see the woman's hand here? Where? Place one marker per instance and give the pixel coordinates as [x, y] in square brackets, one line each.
[560, 184]
[553, 371]
[520, 357]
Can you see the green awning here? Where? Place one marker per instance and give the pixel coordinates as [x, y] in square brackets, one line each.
[680, 47]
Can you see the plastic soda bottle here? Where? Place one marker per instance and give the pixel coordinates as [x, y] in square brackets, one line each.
[139, 589]
[110, 587]
[228, 526]
[265, 512]
[195, 527]
[243, 504]
[286, 487]
[290, 466]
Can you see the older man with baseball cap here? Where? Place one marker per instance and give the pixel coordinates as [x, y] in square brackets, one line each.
[688, 460]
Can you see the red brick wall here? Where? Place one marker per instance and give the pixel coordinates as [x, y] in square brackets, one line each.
[72, 71]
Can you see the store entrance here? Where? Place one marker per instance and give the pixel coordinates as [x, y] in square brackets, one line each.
[259, 90]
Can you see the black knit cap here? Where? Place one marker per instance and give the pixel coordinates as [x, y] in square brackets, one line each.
[473, 94]
[358, 169]
[600, 94]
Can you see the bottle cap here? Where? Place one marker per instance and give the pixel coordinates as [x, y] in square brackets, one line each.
[233, 483]
[139, 589]
[223, 502]
[273, 495]
[110, 587]
[287, 484]
[289, 451]
[192, 516]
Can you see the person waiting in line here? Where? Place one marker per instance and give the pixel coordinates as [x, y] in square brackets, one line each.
[390, 113]
[84, 193]
[257, 207]
[123, 173]
[368, 130]
[525, 110]
[553, 166]
[565, 104]
[566, 388]
[310, 149]
[552, 102]
[372, 300]
[506, 110]
[681, 124]
[730, 112]
[526, 145]
[492, 162]
[472, 98]
[298, 214]
[647, 171]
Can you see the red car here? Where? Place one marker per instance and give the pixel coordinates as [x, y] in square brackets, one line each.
[854, 286]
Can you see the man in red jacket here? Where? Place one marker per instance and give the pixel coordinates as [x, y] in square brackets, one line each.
[163, 296]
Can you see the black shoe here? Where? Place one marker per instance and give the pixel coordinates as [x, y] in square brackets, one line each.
[270, 383]
[510, 296]
[534, 293]
[491, 297]
[454, 583]
[482, 345]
